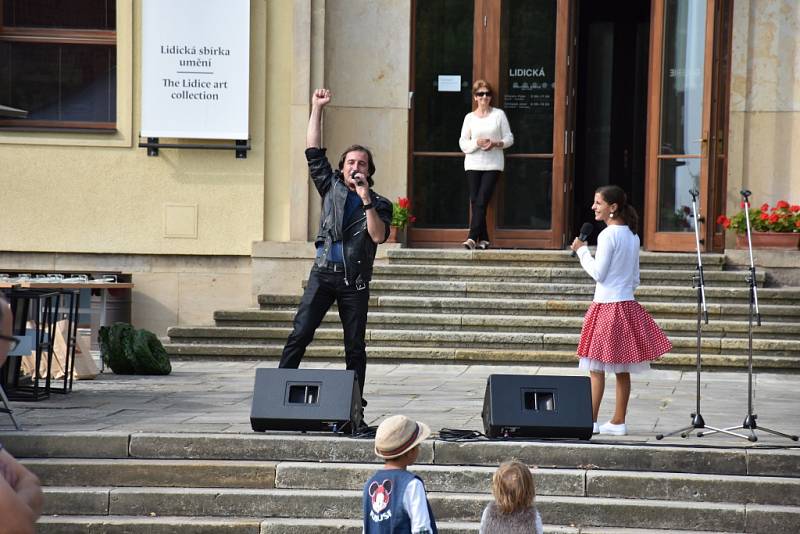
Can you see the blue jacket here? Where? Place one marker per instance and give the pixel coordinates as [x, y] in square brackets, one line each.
[383, 503]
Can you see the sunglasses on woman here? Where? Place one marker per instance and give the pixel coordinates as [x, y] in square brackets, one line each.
[483, 93]
[12, 342]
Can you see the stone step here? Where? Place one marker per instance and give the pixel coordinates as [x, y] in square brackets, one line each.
[191, 351]
[346, 504]
[746, 459]
[233, 525]
[153, 472]
[714, 295]
[379, 320]
[463, 479]
[473, 339]
[514, 306]
[556, 275]
[117, 524]
[564, 482]
[546, 258]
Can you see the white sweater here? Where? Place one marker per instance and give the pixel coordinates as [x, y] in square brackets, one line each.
[493, 126]
[615, 266]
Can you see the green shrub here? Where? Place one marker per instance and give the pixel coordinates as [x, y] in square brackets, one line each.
[127, 350]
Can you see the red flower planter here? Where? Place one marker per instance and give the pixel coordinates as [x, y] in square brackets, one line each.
[770, 240]
[397, 235]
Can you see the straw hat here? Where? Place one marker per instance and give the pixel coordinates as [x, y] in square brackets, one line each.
[397, 435]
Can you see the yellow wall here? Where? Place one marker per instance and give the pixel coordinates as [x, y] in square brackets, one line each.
[279, 64]
[97, 202]
[360, 50]
[765, 103]
[368, 72]
[103, 194]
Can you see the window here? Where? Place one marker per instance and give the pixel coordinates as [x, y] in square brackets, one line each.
[58, 62]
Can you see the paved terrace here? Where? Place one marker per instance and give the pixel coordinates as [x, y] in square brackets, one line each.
[213, 397]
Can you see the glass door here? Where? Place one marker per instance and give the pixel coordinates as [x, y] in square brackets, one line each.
[684, 143]
[529, 202]
[442, 66]
[520, 47]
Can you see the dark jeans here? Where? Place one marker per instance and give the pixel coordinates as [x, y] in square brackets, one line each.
[481, 187]
[323, 289]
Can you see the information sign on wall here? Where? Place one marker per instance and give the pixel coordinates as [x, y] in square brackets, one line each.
[195, 68]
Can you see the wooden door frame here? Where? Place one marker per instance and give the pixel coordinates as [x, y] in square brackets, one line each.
[426, 237]
[720, 117]
[555, 237]
[713, 81]
[486, 65]
[570, 122]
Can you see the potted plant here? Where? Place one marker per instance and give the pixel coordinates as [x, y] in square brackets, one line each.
[401, 218]
[775, 226]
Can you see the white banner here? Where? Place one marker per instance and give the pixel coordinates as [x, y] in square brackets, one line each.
[195, 68]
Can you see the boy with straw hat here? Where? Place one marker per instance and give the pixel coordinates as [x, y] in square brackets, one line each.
[395, 501]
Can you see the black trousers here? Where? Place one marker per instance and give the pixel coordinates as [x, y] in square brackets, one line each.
[324, 288]
[481, 187]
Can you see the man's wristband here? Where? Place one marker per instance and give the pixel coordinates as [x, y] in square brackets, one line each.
[368, 206]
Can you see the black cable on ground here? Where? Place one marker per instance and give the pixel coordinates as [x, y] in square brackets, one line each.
[455, 434]
[364, 432]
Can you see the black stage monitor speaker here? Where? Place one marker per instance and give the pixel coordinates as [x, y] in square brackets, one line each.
[537, 407]
[305, 399]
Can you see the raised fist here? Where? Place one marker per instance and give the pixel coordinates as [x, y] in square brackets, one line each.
[321, 97]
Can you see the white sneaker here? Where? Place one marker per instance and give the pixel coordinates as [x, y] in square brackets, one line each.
[469, 244]
[614, 430]
[595, 428]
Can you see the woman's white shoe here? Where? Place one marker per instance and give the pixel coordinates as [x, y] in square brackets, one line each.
[614, 430]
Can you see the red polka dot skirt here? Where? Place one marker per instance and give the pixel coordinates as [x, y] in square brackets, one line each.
[617, 333]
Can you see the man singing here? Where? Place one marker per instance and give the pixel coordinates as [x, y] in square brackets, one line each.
[353, 221]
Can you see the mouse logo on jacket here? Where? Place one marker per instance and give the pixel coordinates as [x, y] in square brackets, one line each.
[379, 494]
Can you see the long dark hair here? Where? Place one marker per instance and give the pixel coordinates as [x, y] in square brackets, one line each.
[370, 162]
[613, 194]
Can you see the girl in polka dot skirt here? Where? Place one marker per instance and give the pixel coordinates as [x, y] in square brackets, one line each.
[618, 335]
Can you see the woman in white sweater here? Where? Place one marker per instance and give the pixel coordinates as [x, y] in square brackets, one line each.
[484, 135]
[618, 335]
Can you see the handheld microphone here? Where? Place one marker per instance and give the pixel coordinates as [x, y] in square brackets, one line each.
[353, 177]
[586, 231]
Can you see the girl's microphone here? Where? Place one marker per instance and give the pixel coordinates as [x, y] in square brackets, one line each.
[586, 231]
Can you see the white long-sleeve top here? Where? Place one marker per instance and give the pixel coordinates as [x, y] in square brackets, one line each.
[493, 126]
[615, 265]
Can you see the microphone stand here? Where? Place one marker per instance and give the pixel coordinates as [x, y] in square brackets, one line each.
[750, 419]
[698, 282]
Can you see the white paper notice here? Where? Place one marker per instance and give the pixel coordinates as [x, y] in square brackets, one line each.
[195, 68]
[449, 83]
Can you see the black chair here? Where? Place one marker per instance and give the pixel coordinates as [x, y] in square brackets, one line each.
[41, 306]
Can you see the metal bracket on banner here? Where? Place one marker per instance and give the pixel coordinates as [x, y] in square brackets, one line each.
[240, 146]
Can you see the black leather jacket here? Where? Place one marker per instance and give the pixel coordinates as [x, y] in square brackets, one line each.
[358, 248]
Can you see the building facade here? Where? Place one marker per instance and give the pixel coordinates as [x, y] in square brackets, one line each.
[658, 96]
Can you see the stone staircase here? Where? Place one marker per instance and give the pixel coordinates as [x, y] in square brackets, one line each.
[516, 307]
[303, 484]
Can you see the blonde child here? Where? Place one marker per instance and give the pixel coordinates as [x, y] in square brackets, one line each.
[513, 510]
